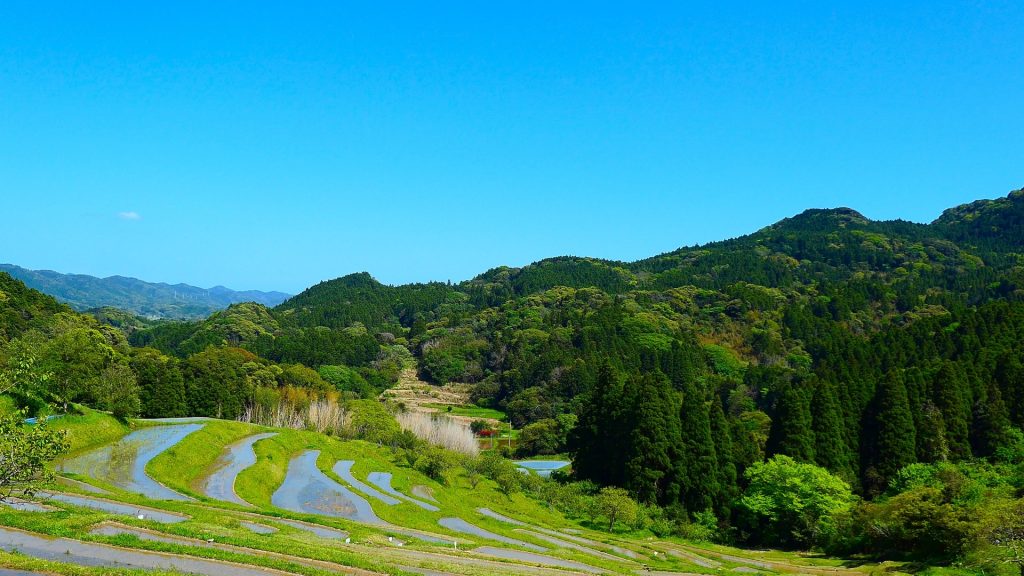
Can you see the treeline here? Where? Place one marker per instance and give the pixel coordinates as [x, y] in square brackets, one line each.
[51, 356]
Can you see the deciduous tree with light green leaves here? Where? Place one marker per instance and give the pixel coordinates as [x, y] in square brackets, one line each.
[789, 503]
[616, 506]
[25, 451]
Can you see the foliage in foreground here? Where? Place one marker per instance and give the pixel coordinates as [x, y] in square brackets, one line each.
[25, 452]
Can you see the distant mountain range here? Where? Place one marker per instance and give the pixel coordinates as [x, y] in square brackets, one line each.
[147, 299]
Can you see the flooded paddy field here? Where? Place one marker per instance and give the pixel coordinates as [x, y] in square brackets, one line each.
[123, 463]
[537, 559]
[314, 529]
[113, 507]
[258, 528]
[500, 517]
[238, 456]
[103, 555]
[344, 471]
[25, 505]
[562, 539]
[307, 490]
[463, 527]
[542, 468]
[559, 543]
[382, 480]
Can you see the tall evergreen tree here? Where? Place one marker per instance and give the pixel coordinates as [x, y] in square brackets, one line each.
[596, 441]
[931, 434]
[654, 439]
[699, 465]
[792, 426]
[952, 397]
[1009, 373]
[721, 433]
[890, 432]
[991, 422]
[830, 447]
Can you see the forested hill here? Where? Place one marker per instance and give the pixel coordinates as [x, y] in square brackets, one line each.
[861, 347]
[146, 299]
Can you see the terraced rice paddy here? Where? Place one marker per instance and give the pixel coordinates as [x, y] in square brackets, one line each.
[460, 525]
[537, 559]
[542, 468]
[123, 464]
[91, 554]
[119, 508]
[308, 507]
[26, 506]
[309, 491]
[238, 457]
[344, 471]
[382, 480]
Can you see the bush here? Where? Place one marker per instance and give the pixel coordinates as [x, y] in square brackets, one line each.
[478, 427]
[436, 463]
[509, 482]
[369, 420]
[920, 523]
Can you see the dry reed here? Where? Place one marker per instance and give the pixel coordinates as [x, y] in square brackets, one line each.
[440, 431]
[324, 415]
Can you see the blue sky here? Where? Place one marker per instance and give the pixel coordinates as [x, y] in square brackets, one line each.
[271, 146]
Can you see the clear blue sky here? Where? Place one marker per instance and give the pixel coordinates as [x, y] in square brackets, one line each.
[273, 146]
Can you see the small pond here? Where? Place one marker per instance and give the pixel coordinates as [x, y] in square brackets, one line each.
[542, 468]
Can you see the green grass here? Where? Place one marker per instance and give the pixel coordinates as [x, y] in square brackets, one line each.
[89, 430]
[470, 411]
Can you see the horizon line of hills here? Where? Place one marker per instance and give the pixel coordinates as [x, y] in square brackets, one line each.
[980, 221]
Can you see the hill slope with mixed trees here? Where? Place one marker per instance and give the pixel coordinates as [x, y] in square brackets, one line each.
[828, 351]
[146, 299]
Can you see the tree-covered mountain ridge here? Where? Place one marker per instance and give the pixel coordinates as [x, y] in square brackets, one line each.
[151, 300]
[815, 246]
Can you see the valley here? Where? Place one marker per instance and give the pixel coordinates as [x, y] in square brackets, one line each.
[153, 498]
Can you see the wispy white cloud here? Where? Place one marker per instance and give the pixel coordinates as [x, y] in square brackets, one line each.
[129, 216]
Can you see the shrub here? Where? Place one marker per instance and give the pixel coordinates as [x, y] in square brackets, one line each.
[436, 463]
